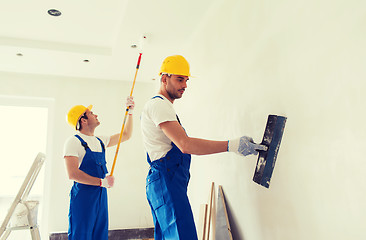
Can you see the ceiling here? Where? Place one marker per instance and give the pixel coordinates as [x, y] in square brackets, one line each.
[95, 38]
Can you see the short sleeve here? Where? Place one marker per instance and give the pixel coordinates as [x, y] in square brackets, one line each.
[71, 147]
[160, 111]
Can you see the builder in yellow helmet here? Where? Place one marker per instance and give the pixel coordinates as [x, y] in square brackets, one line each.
[84, 155]
[168, 152]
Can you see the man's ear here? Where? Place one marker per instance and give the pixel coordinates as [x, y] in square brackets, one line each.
[83, 120]
[163, 78]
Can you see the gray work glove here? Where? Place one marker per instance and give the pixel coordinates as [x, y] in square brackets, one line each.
[130, 104]
[107, 182]
[245, 146]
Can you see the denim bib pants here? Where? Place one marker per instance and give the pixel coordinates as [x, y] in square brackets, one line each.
[166, 190]
[88, 214]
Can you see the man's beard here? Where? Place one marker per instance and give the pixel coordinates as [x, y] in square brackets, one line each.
[173, 96]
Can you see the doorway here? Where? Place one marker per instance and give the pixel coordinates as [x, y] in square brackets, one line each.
[24, 126]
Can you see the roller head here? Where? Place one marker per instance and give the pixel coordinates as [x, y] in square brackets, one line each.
[141, 43]
[267, 159]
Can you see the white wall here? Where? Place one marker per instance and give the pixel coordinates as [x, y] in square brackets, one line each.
[127, 201]
[305, 60]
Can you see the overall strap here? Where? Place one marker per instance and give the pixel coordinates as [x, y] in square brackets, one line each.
[148, 159]
[102, 144]
[178, 119]
[85, 145]
[158, 97]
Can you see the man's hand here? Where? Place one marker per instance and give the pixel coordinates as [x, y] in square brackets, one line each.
[245, 146]
[107, 182]
[130, 104]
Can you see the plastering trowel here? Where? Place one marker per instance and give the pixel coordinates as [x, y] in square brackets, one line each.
[267, 159]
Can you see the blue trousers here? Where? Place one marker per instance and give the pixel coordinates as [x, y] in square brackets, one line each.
[88, 213]
[166, 190]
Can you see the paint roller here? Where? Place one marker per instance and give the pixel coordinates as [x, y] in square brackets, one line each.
[267, 159]
[142, 39]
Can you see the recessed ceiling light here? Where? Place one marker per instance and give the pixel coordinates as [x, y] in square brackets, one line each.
[19, 54]
[54, 12]
[86, 60]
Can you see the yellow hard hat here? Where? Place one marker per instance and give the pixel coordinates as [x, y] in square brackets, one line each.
[75, 113]
[176, 65]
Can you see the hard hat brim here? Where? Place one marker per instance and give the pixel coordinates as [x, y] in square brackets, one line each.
[88, 108]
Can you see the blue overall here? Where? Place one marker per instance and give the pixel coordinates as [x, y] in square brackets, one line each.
[166, 190]
[88, 215]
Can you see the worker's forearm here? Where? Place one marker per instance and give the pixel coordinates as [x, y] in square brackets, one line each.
[127, 132]
[199, 146]
[82, 177]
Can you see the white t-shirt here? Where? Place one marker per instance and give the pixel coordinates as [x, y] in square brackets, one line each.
[74, 148]
[156, 111]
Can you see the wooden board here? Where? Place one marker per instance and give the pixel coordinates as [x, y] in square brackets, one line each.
[209, 212]
[223, 230]
[202, 222]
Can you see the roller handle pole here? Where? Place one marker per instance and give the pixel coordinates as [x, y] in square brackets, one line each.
[137, 68]
[125, 118]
